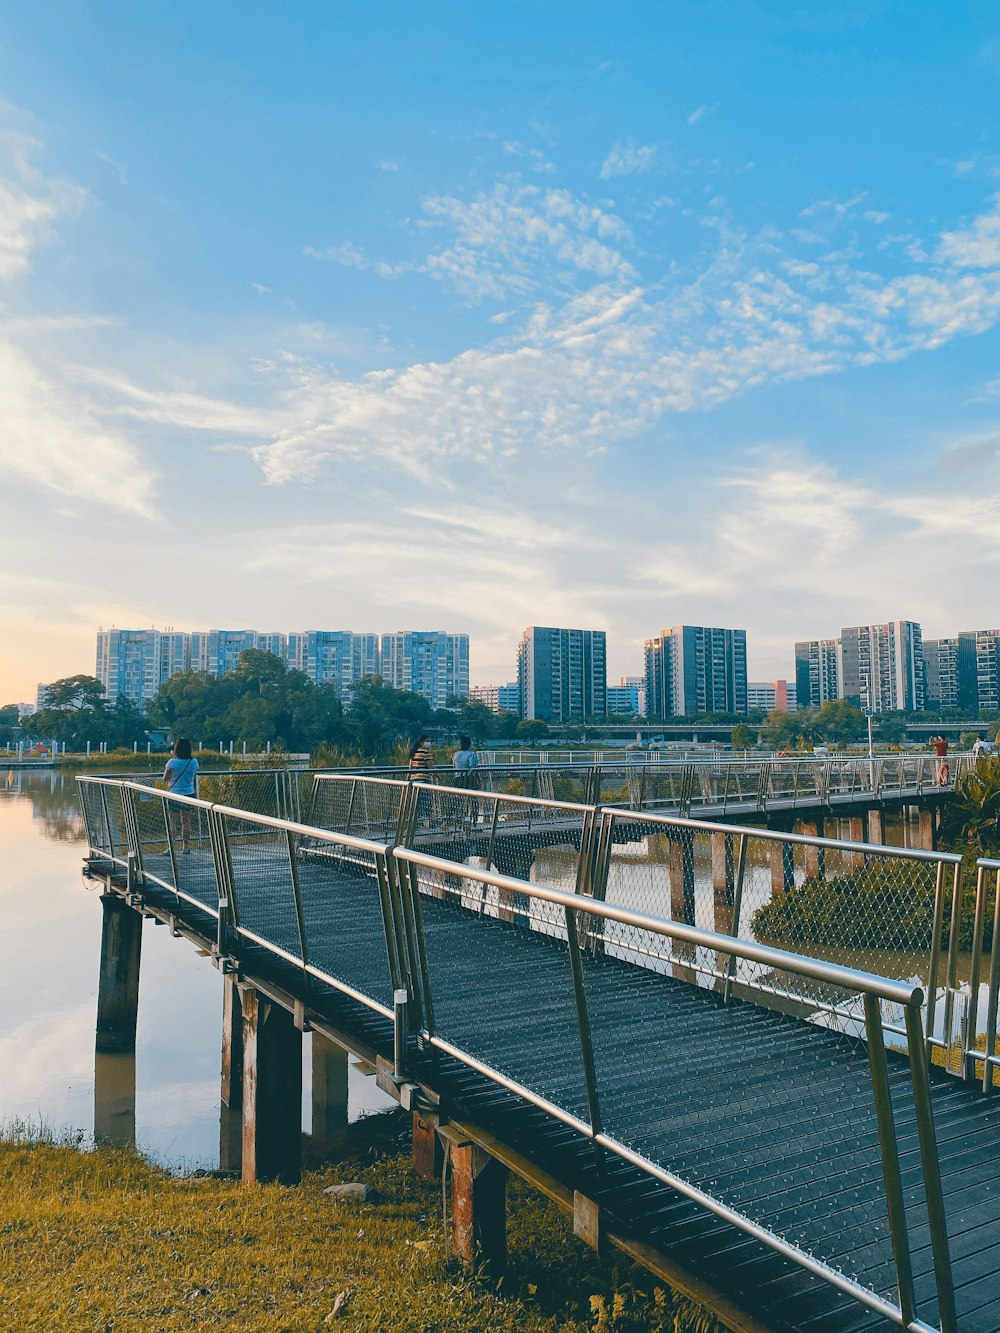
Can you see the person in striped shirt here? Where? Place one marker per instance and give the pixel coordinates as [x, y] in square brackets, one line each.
[421, 761]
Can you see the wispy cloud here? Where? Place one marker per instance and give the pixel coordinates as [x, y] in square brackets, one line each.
[629, 159]
[700, 112]
[975, 246]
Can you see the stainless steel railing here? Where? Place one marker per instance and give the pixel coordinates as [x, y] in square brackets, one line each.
[262, 880]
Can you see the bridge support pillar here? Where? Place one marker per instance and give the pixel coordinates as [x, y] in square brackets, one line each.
[875, 832]
[815, 857]
[428, 1152]
[723, 880]
[682, 877]
[272, 1091]
[329, 1091]
[782, 861]
[928, 829]
[232, 1044]
[856, 833]
[118, 982]
[478, 1203]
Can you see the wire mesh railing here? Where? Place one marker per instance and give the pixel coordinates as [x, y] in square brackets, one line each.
[892, 911]
[662, 985]
[822, 1186]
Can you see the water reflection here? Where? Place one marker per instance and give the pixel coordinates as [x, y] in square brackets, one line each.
[50, 930]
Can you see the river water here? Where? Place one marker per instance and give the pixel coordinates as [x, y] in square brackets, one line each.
[50, 931]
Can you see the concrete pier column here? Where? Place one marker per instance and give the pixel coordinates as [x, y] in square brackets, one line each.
[478, 1204]
[232, 1044]
[815, 857]
[782, 856]
[329, 1091]
[723, 881]
[272, 1091]
[856, 833]
[118, 982]
[928, 829]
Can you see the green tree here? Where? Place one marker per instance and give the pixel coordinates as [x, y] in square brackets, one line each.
[891, 728]
[10, 726]
[532, 729]
[381, 717]
[972, 814]
[474, 719]
[781, 731]
[840, 722]
[742, 737]
[506, 726]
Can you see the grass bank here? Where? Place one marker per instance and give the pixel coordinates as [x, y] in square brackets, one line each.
[106, 1241]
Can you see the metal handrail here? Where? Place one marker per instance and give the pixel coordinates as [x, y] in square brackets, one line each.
[872, 987]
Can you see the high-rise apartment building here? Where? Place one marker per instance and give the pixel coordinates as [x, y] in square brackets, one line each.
[950, 673]
[693, 669]
[987, 649]
[129, 664]
[428, 662]
[628, 696]
[498, 698]
[882, 666]
[817, 672]
[773, 696]
[339, 658]
[562, 673]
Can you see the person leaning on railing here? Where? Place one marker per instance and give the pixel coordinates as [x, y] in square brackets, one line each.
[179, 775]
[464, 761]
[421, 761]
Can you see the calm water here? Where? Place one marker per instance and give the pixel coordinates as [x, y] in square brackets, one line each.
[50, 931]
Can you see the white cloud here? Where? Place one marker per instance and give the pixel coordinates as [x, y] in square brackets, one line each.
[976, 246]
[700, 112]
[629, 159]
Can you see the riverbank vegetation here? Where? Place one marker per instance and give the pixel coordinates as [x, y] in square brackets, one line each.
[104, 1240]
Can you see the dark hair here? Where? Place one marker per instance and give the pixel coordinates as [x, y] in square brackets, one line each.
[182, 749]
[417, 744]
[465, 742]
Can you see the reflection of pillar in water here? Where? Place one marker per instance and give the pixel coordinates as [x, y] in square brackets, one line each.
[856, 833]
[230, 1138]
[114, 1099]
[329, 1091]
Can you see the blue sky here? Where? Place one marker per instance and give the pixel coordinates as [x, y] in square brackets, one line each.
[474, 316]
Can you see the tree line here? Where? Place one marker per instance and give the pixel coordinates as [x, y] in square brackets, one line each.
[263, 703]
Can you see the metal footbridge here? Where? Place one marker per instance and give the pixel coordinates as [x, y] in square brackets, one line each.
[752, 1055]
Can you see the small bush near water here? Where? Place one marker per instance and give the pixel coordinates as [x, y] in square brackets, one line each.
[105, 1241]
[886, 906]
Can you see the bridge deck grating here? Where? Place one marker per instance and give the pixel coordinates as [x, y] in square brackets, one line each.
[502, 992]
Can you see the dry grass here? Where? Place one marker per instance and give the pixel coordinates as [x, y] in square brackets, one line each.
[106, 1242]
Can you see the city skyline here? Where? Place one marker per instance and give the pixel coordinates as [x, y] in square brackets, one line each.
[529, 314]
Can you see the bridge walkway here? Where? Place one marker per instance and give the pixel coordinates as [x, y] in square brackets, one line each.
[689, 1082]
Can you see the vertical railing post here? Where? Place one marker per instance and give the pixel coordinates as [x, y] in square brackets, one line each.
[972, 1014]
[300, 918]
[994, 992]
[931, 1169]
[891, 1173]
[583, 1022]
[937, 928]
[171, 844]
[951, 973]
[741, 865]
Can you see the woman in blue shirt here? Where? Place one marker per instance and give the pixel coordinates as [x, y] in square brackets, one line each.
[179, 775]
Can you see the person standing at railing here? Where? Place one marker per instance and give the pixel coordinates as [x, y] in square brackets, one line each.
[421, 761]
[464, 761]
[941, 750]
[179, 775]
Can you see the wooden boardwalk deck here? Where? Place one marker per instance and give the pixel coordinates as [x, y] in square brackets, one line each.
[764, 1110]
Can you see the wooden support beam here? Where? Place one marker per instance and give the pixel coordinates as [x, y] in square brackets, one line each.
[875, 820]
[329, 1091]
[272, 1091]
[928, 829]
[478, 1203]
[428, 1152]
[118, 982]
[587, 1223]
[815, 857]
[232, 1044]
